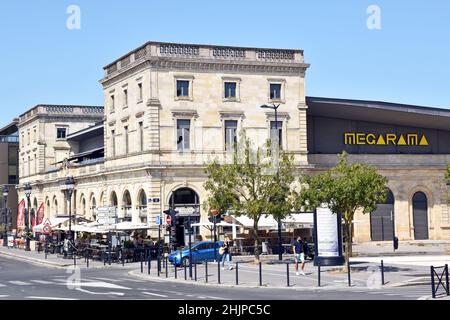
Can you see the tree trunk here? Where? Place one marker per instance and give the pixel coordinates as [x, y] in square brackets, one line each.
[256, 240]
[348, 246]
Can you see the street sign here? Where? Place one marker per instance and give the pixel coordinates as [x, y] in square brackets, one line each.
[106, 220]
[168, 220]
[158, 220]
[47, 228]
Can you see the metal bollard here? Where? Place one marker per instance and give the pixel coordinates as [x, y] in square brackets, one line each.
[237, 273]
[433, 292]
[446, 279]
[149, 264]
[185, 269]
[176, 273]
[206, 271]
[142, 264]
[348, 274]
[74, 259]
[218, 272]
[158, 262]
[167, 268]
[382, 273]
[123, 258]
[287, 274]
[46, 251]
[195, 271]
[87, 261]
[318, 276]
[260, 274]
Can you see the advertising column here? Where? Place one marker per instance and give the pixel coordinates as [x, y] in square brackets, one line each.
[328, 238]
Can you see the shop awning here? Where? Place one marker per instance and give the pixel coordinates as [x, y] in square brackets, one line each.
[54, 222]
[125, 226]
[264, 223]
[299, 220]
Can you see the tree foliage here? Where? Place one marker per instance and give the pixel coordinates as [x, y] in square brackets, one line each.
[250, 186]
[346, 188]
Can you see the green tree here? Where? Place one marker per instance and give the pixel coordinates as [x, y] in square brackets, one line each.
[251, 185]
[346, 188]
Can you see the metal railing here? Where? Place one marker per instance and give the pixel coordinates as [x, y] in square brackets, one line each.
[442, 279]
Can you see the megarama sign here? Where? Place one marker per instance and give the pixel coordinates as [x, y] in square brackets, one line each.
[410, 139]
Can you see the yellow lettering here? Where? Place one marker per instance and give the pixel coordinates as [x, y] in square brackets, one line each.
[390, 137]
[350, 138]
[413, 139]
[381, 141]
[424, 141]
[360, 138]
[371, 139]
[401, 141]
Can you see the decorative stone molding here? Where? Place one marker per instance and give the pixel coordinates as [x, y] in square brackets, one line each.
[139, 114]
[112, 123]
[270, 116]
[184, 114]
[224, 115]
[302, 106]
[178, 49]
[125, 119]
[227, 53]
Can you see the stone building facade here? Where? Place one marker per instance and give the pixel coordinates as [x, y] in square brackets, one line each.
[171, 108]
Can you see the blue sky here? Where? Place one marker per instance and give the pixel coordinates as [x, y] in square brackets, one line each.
[406, 61]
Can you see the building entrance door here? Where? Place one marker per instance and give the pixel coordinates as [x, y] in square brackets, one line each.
[382, 220]
[420, 216]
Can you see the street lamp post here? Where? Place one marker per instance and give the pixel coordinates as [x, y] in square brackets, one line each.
[70, 185]
[275, 108]
[6, 218]
[27, 189]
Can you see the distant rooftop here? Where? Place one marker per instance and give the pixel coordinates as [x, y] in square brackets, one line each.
[380, 111]
[231, 54]
[60, 110]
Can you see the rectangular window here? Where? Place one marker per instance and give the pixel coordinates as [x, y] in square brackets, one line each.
[29, 166]
[36, 169]
[141, 135]
[126, 140]
[273, 132]
[230, 134]
[28, 142]
[35, 136]
[183, 135]
[182, 88]
[61, 133]
[113, 142]
[230, 90]
[275, 91]
[112, 103]
[125, 97]
[140, 97]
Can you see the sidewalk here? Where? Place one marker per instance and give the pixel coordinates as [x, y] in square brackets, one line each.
[54, 261]
[364, 275]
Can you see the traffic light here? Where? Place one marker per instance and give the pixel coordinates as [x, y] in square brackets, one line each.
[217, 218]
[173, 216]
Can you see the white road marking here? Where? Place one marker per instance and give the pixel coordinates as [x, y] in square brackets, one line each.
[20, 283]
[155, 294]
[106, 279]
[4, 296]
[49, 298]
[41, 281]
[2, 285]
[96, 284]
[104, 293]
[216, 298]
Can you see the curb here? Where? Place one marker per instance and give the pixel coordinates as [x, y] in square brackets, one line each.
[51, 264]
[34, 261]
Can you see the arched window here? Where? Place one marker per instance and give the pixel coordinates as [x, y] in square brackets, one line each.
[55, 207]
[420, 216]
[126, 204]
[113, 199]
[142, 200]
[93, 207]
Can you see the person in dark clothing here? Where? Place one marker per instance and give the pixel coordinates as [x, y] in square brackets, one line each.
[225, 251]
[299, 255]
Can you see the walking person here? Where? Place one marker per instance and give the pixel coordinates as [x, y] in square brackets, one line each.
[225, 252]
[299, 255]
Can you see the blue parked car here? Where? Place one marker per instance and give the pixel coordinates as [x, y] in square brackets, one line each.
[201, 251]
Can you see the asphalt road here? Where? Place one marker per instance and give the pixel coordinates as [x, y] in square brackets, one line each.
[20, 280]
